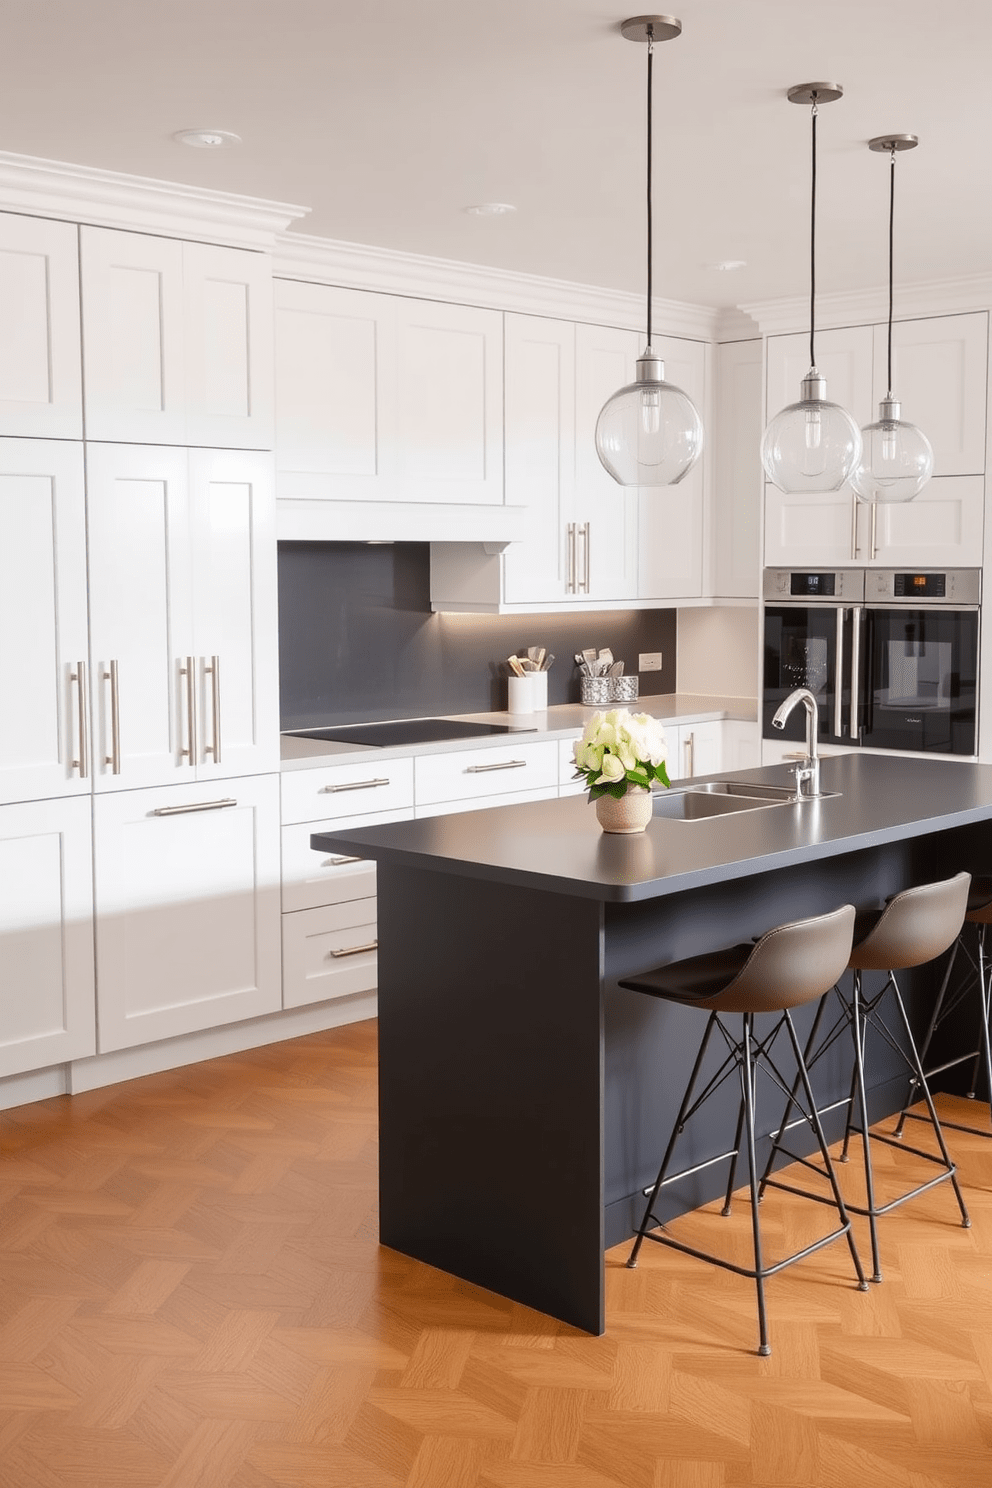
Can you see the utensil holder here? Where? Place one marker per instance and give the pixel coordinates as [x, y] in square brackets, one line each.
[527, 694]
[597, 690]
[625, 688]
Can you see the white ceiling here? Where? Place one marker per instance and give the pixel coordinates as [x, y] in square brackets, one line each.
[388, 117]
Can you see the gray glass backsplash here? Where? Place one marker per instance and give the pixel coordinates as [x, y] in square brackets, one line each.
[358, 640]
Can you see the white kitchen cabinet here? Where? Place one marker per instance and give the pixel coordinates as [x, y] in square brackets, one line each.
[40, 374]
[385, 398]
[823, 528]
[740, 746]
[738, 479]
[605, 513]
[47, 1011]
[567, 783]
[329, 952]
[177, 341]
[44, 703]
[942, 527]
[477, 777]
[670, 518]
[939, 375]
[188, 908]
[182, 614]
[694, 749]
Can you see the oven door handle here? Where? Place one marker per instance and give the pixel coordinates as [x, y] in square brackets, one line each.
[856, 615]
[839, 674]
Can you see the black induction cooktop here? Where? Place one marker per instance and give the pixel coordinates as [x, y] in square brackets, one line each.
[406, 731]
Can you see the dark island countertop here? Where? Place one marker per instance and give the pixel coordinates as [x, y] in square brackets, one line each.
[558, 846]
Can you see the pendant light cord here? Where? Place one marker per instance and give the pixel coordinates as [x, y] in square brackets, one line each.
[812, 242]
[650, 135]
[892, 218]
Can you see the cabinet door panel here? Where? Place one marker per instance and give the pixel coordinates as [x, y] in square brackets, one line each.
[939, 371]
[42, 620]
[140, 612]
[449, 439]
[670, 518]
[607, 512]
[335, 353]
[133, 343]
[235, 617]
[228, 300]
[540, 453]
[187, 909]
[942, 527]
[40, 375]
[47, 1010]
[329, 952]
[738, 480]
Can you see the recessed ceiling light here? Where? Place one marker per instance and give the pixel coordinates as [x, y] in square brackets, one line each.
[727, 265]
[207, 139]
[490, 209]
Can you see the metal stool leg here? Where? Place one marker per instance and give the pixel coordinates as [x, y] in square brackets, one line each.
[747, 1082]
[859, 1028]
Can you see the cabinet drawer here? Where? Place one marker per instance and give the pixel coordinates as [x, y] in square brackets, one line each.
[508, 798]
[328, 952]
[481, 773]
[334, 791]
[311, 878]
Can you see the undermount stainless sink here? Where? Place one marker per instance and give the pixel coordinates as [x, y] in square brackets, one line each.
[720, 798]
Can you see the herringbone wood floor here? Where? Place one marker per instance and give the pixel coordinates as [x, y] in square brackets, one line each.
[193, 1297]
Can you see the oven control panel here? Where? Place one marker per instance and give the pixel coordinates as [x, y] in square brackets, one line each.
[953, 586]
[837, 585]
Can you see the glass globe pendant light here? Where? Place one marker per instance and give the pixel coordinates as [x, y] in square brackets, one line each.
[649, 433]
[811, 445]
[896, 458]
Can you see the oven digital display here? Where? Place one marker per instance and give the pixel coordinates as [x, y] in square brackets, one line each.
[813, 584]
[924, 586]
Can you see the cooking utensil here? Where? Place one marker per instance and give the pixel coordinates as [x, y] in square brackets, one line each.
[605, 660]
[515, 665]
[616, 670]
[589, 656]
[546, 663]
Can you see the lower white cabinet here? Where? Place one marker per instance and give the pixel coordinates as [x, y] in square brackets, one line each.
[329, 952]
[187, 902]
[46, 934]
[694, 749]
[470, 778]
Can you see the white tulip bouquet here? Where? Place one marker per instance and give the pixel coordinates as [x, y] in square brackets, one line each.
[619, 750]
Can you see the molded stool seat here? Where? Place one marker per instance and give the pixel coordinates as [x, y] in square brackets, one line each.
[914, 927]
[786, 968]
[977, 979]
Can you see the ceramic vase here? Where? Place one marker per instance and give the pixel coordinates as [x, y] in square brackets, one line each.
[631, 813]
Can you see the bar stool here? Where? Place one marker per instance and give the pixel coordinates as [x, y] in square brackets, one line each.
[912, 928]
[786, 968]
[978, 978]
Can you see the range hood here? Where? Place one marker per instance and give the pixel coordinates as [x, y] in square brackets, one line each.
[300, 520]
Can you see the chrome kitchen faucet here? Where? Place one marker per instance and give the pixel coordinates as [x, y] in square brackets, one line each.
[808, 773]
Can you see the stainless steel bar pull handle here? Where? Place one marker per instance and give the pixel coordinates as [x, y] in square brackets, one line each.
[370, 945]
[874, 529]
[584, 534]
[81, 762]
[188, 670]
[194, 806]
[689, 746]
[855, 670]
[113, 759]
[570, 558]
[213, 672]
[336, 862]
[854, 527]
[839, 674]
[502, 765]
[330, 790]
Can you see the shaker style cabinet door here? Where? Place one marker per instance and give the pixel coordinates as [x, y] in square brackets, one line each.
[939, 374]
[44, 703]
[539, 422]
[188, 917]
[47, 1012]
[133, 336]
[235, 613]
[825, 528]
[605, 513]
[40, 376]
[228, 335]
[141, 632]
[670, 518]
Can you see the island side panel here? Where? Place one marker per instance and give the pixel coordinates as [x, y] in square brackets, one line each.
[490, 1086]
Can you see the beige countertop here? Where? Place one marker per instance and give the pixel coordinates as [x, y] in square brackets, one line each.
[565, 721]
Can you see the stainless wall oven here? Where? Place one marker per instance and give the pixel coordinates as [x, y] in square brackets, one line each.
[891, 656]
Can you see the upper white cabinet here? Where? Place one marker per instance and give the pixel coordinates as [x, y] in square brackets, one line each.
[606, 513]
[40, 380]
[736, 469]
[939, 374]
[670, 518]
[44, 704]
[182, 614]
[177, 341]
[383, 398]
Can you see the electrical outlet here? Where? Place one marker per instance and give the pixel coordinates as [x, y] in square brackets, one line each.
[649, 661]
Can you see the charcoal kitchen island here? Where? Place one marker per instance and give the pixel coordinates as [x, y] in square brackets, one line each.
[524, 1097]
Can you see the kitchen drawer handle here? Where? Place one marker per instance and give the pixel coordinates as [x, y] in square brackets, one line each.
[370, 945]
[195, 806]
[78, 675]
[336, 862]
[329, 790]
[503, 765]
[213, 672]
[113, 759]
[189, 673]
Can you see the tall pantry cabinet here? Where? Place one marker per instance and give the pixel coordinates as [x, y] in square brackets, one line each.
[138, 731]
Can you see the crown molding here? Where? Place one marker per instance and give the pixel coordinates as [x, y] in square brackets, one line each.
[81, 193]
[388, 271]
[863, 307]
[734, 324]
